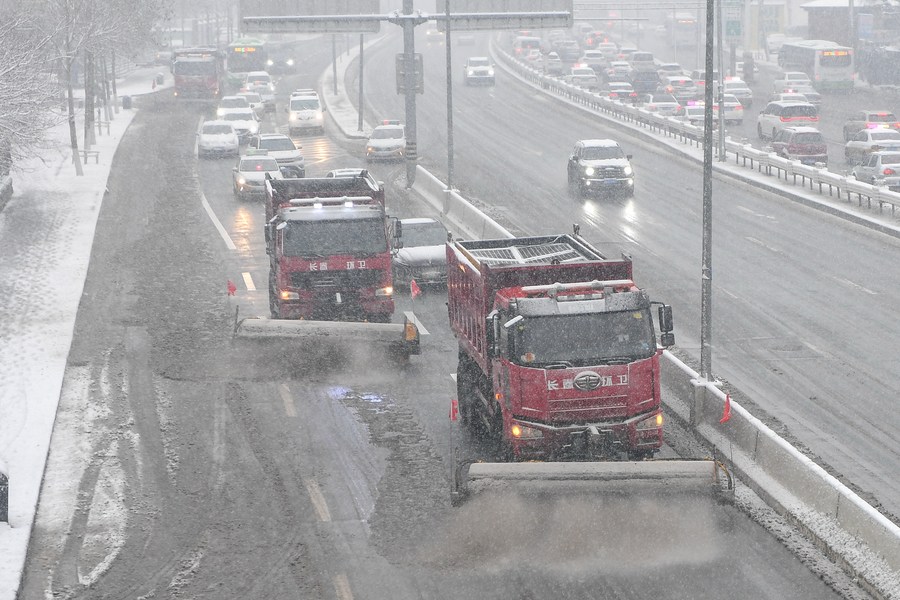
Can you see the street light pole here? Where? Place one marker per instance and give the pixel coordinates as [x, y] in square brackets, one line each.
[409, 82]
[706, 266]
[449, 99]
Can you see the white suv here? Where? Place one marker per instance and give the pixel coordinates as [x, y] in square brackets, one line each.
[778, 115]
[282, 149]
[305, 112]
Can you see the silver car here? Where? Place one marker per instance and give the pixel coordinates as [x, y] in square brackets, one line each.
[249, 175]
[283, 150]
[880, 168]
[423, 255]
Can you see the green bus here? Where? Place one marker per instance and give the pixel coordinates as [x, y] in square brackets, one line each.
[242, 56]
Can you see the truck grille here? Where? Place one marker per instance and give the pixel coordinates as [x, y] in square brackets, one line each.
[336, 280]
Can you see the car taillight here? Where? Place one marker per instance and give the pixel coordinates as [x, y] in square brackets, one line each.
[887, 171]
[739, 107]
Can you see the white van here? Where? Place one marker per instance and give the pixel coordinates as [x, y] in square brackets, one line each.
[305, 112]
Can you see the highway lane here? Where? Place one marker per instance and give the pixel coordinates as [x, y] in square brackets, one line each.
[208, 473]
[803, 302]
[834, 111]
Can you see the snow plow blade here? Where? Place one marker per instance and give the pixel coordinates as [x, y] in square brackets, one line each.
[667, 476]
[399, 339]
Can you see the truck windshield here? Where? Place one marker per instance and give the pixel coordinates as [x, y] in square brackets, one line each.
[327, 238]
[194, 67]
[583, 340]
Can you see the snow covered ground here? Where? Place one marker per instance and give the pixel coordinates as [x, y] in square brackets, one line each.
[46, 234]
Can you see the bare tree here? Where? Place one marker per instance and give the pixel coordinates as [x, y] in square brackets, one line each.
[29, 91]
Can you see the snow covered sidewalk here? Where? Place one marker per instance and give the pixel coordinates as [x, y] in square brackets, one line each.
[46, 235]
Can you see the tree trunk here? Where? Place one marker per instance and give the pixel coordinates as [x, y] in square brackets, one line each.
[115, 92]
[105, 74]
[73, 132]
[90, 89]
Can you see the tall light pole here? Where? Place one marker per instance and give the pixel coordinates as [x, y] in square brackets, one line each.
[706, 260]
[449, 99]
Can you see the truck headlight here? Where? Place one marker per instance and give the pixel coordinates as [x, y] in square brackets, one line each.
[290, 62]
[491, 72]
[628, 171]
[589, 171]
[370, 148]
[318, 116]
[385, 291]
[652, 422]
[288, 295]
[523, 432]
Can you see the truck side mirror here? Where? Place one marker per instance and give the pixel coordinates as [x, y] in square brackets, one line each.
[666, 326]
[492, 333]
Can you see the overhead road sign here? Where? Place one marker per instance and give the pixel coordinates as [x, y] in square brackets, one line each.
[474, 15]
[311, 16]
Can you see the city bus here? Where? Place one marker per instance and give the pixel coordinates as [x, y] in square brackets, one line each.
[828, 64]
[242, 56]
[682, 29]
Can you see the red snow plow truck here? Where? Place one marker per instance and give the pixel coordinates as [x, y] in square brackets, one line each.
[329, 243]
[559, 366]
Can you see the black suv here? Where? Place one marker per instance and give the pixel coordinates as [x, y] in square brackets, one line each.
[598, 166]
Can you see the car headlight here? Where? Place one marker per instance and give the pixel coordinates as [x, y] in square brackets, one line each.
[629, 171]
[318, 116]
[290, 62]
[491, 72]
[370, 148]
[254, 127]
[270, 62]
[589, 171]
[241, 181]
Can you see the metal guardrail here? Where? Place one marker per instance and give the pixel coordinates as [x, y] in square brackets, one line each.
[816, 179]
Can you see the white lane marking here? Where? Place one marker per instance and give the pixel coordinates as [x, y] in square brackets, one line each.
[763, 244]
[453, 376]
[285, 393]
[854, 285]
[248, 281]
[342, 587]
[412, 317]
[215, 221]
[318, 500]
[756, 214]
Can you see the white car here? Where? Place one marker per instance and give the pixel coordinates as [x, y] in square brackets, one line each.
[790, 80]
[305, 112]
[255, 101]
[229, 103]
[244, 122]
[217, 138]
[387, 142]
[261, 83]
[867, 141]
[249, 175]
[740, 90]
[734, 110]
[283, 150]
[593, 59]
[583, 77]
[661, 104]
[478, 71]
[669, 70]
[423, 254]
